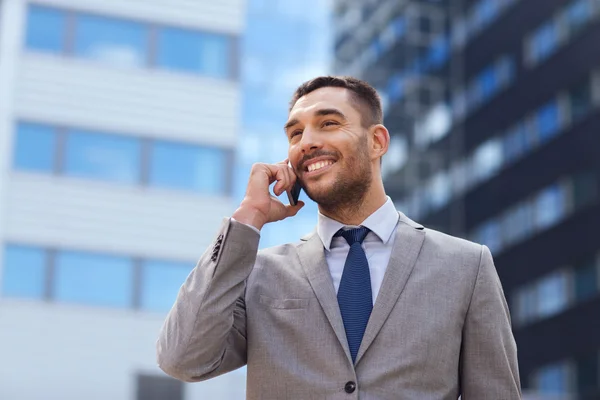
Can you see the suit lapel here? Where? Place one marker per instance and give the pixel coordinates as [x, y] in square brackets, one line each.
[406, 248]
[312, 258]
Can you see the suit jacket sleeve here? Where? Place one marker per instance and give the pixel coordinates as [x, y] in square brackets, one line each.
[204, 334]
[488, 361]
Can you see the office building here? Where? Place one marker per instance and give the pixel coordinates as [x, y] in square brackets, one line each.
[501, 148]
[118, 127]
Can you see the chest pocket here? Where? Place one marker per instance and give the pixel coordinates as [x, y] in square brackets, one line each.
[283, 304]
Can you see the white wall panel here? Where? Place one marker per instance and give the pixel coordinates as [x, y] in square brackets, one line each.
[73, 214]
[127, 100]
[74, 352]
[220, 16]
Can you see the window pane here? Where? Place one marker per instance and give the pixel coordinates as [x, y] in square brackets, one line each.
[550, 207]
[24, 272]
[553, 379]
[548, 121]
[487, 159]
[204, 53]
[93, 279]
[544, 41]
[114, 41]
[45, 29]
[108, 157]
[160, 283]
[35, 147]
[188, 167]
[586, 281]
[578, 14]
[552, 294]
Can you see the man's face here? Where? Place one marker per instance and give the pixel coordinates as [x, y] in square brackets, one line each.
[329, 147]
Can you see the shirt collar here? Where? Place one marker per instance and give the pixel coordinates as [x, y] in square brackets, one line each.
[382, 223]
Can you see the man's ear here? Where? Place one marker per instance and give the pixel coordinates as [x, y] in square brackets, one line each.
[380, 142]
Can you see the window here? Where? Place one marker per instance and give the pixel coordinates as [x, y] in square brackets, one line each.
[544, 42]
[46, 29]
[487, 159]
[526, 300]
[553, 379]
[24, 272]
[517, 223]
[578, 14]
[161, 282]
[114, 41]
[548, 121]
[190, 167]
[34, 148]
[487, 83]
[489, 234]
[586, 281]
[516, 142]
[190, 51]
[439, 52]
[152, 387]
[550, 206]
[396, 87]
[99, 156]
[93, 279]
[553, 296]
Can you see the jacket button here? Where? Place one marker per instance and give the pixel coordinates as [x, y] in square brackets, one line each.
[350, 387]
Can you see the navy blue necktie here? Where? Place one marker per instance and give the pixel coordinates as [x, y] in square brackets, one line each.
[354, 294]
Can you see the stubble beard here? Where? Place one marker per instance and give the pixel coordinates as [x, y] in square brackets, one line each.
[352, 184]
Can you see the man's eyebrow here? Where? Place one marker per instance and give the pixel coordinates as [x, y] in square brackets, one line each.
[290, 123]
[330, 111]
[319, 113]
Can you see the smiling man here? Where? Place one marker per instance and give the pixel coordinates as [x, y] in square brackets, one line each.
[371, 305]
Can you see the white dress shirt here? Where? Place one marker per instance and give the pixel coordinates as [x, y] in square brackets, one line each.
[377, 244]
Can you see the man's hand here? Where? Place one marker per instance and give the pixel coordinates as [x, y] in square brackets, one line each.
[259, 207]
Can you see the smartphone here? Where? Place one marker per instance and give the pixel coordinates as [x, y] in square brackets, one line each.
[294, 194]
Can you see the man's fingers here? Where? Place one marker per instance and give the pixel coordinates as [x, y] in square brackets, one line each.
[282, 178]
[293, 210]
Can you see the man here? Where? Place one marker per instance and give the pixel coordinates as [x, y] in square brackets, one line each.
[371, 305]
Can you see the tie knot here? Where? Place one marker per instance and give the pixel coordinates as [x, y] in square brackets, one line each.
[353, 235]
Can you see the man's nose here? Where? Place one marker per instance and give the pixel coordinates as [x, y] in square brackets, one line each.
[311, 141]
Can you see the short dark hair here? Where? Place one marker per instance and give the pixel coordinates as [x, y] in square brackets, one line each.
[363, 96]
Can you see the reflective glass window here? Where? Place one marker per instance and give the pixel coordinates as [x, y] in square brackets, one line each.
[93, 279]
[190, 167]
[198, 52]
[46, 29]
[102, 156]
[23, 272]
[161, 281]
[34, 148]
[115, 41]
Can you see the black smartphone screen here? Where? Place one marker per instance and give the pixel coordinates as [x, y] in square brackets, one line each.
[294, 194]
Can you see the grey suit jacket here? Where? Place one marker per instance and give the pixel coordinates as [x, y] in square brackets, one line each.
[440, 326]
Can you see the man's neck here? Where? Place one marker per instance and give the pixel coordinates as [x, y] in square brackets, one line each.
[355, 214]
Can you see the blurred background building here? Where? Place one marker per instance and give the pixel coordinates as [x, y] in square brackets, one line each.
[127, 132]
[283, 46]
[494, 108]
[118, 127]
[128, 128]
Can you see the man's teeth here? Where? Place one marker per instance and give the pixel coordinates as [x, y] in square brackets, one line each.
[318, 165]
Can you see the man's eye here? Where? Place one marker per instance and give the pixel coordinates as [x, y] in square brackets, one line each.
[329, 123]
[298, 132]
